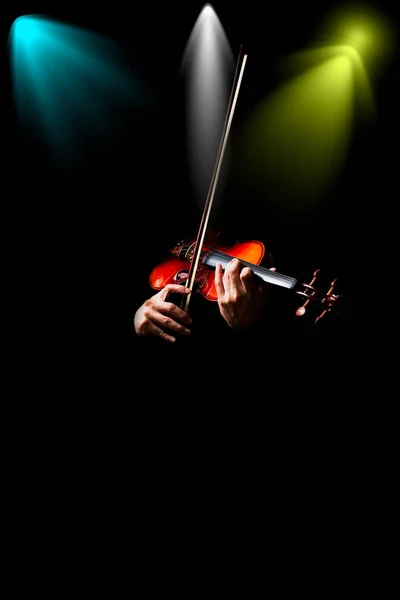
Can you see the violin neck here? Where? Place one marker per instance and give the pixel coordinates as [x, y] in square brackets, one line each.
[212, 257]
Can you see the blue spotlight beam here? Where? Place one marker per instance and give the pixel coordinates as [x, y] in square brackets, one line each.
[69, 83]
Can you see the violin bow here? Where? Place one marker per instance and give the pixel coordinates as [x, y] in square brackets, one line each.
[240, 66]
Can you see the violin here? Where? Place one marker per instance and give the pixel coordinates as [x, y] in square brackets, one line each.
[252, 254]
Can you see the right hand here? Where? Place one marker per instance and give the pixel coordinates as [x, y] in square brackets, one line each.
[160, 318]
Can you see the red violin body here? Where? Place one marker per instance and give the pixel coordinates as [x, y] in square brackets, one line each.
[175, 269]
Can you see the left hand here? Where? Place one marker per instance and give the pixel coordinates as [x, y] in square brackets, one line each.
[241, 297]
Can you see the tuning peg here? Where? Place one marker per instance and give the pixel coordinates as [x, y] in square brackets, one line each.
[302, 309]
[330, 298]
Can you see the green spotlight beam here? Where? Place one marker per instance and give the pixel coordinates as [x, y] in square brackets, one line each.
[307, 59]
[69, 84]
[296, 141]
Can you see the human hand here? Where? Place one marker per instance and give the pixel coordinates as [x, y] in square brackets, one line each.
[241, 297]
[160, 318]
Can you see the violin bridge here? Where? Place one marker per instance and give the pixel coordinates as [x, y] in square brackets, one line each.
[183, 250]
[180, 250]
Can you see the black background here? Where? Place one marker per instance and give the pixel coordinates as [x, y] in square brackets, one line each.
[88, 464]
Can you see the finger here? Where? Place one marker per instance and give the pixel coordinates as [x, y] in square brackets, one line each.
[173, 313]
[232, 271]
[166, 337]
[172, 288]
[233, 266]
[247, 279]
[164, 313]
[237, 276]
[169, 323]
[169, 315]
[219, 286]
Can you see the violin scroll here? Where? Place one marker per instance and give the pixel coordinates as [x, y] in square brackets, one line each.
[327, 301]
